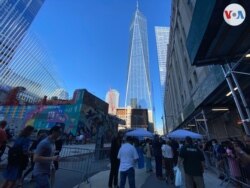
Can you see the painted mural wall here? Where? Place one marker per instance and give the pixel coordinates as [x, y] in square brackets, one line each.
[83, 115]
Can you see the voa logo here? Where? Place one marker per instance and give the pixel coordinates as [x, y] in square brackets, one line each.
[234, 14]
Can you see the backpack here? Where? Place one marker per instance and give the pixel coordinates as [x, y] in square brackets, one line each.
[14, 155]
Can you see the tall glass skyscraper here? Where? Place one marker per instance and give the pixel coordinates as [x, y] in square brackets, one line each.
[162, 38]
[15, 19]
[138, 91]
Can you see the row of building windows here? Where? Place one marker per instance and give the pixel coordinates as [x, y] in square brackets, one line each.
[181, 60]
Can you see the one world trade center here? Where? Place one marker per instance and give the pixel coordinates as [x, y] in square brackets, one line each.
[138, 90]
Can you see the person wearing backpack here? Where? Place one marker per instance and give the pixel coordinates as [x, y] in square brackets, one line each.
[18, 158]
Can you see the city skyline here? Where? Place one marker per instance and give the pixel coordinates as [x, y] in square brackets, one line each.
[89, 43]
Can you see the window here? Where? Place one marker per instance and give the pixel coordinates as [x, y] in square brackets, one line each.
[182, 99]
[195, 77]
[186, 63]
[190, 84]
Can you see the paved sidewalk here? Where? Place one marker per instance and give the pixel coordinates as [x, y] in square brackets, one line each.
[146, 180]
[210, 181]
[100, 180]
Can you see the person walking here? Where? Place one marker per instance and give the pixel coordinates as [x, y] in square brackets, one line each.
[40, 136]
[158, 156]
[148, 155]
[44, 156]
[139, 149]
[193, 161]
[115, 162]
[175, 146]
[3, 137]
[168, 157]
[128, 157]
[18, 158]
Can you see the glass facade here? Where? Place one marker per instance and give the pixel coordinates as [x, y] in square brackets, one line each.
[138, 91]
[23, 60]
[32, 68]
[15, 19]
[162, 39]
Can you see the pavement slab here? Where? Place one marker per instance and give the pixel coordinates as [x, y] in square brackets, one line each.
[100, 180]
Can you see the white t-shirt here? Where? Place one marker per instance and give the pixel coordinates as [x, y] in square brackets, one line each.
[127, 155]
[167, 151]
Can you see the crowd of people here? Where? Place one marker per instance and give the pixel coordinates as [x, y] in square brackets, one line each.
[42, 154]
[231, 159]
[168, 153]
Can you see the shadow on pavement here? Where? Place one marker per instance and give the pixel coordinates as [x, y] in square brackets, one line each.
[153, 182]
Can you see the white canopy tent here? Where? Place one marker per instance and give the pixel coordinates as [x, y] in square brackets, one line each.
[140, 132]
[181, 134]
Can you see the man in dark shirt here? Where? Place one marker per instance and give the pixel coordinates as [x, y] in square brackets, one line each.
[175, 146]
[193, 162]
[115, 162]
[157, 143]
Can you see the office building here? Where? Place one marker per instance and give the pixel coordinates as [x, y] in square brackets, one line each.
[134, 118]
[197, 96]
[138, 90]
[32, 68]
[112, 98]
[162, 38]
[15, 18]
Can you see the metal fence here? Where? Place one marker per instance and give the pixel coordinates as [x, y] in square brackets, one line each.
[228, 169]
[87, 162]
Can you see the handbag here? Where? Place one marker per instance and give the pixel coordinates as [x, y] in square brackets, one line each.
[178, 178]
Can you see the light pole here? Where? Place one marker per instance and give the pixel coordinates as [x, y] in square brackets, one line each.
[163, 123]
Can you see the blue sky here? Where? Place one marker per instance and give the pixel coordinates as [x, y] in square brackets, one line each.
[88, 41]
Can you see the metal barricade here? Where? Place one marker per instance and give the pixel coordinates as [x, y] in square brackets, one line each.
[87, 162]
[229, 169]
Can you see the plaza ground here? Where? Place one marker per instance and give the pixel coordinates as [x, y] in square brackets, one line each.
[68, 178]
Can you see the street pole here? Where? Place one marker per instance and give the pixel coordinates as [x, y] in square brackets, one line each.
[172, 118]
[164, 125]
[242, 117]
[243, 99]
